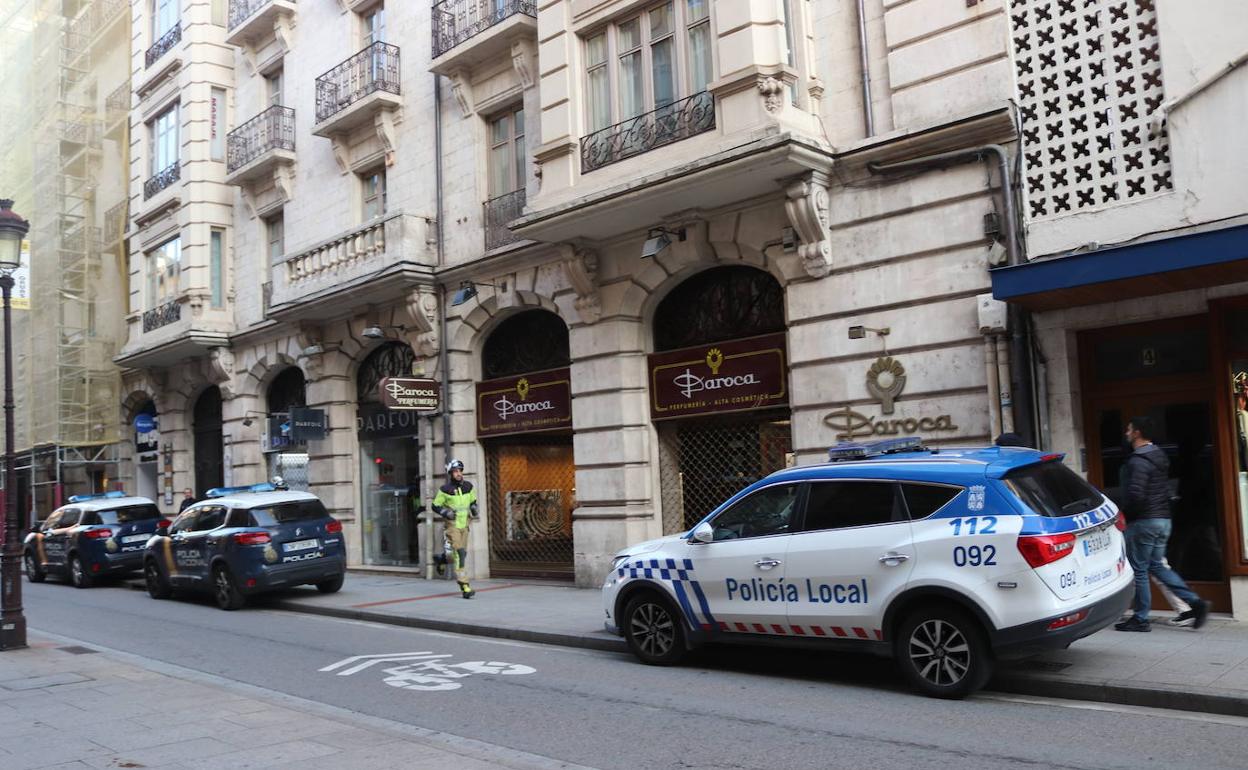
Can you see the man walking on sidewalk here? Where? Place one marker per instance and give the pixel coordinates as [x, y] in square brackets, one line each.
[1147, 508]
[455, 502]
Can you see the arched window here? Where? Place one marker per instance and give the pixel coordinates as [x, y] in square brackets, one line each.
[393, 359]
[532, 341]
[286, 390]
[719, 304]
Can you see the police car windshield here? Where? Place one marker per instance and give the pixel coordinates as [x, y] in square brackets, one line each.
[286, 513]
[129, 513]
[1052, 489]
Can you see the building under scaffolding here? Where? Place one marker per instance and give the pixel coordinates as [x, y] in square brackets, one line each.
[66, 130]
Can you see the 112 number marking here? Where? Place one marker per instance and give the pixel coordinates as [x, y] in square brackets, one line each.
[974, 525]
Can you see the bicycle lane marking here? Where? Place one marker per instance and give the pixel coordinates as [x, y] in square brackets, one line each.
[424, 670]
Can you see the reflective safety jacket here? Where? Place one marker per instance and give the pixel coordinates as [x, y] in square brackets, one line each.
[460, 498]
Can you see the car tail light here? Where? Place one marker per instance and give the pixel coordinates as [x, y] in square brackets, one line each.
[1068, 620]
[333, 527]
[251, 583]
[1120, 522]
[1040, 550]
[252, 538]
[98, 534]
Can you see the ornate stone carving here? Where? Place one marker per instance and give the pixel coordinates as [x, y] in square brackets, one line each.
[772, 90]
[523, 58]
[808, 210]
[461, 89]
[580, 266]
[384, 123]
[422, 308]
[221, 370]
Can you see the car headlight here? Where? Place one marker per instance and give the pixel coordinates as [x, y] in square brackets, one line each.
[617, 561]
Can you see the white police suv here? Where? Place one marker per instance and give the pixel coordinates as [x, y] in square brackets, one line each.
[945, 559]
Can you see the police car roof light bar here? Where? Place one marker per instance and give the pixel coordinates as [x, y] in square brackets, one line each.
[97, 496]
[223, 491]
[860, 451]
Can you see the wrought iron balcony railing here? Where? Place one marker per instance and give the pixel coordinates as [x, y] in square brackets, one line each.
[454, 21]
[117, 104]
[163, 315]
[162, 179]
[498, 212]
[376, 68]
[115, 222]
[162, 46]
[672, 123]
[241, 10]
[273, 129]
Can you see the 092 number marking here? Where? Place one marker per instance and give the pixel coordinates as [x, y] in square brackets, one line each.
[974, 525]
[975, 556]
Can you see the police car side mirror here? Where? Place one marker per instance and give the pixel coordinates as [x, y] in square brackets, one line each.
[703, 533]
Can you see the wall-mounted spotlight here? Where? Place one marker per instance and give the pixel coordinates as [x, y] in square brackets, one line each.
[314, 349]
[248, 421]
[859, 332]
[657, 239]
[468, 290]
[789, 239]
[379, 332]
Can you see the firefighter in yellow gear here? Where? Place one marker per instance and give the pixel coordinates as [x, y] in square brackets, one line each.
[456, 503]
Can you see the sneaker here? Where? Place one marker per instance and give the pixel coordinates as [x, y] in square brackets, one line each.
[1200, 614]
[1183, 619]
[1133, 624]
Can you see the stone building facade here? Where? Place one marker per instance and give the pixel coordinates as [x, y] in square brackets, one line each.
[652, 251]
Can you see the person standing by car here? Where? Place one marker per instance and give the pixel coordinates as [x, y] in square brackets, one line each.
[456, 502]
[188, 498]
[1147, 508]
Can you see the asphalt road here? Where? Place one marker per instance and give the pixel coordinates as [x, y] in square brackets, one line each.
[733, 708]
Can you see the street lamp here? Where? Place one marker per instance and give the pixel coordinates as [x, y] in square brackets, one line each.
[13, 230]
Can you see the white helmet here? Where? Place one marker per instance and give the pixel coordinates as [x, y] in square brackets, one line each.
[454, 465]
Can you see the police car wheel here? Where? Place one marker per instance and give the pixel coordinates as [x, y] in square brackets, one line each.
[78, 575]
[157, 586]
[34, 573]
[330, 586]
[653, 630]
[943, 653]
[224, 591]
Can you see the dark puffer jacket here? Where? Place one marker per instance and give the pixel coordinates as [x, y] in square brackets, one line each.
[1147, 473]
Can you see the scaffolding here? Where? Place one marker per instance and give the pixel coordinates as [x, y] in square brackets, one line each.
[67, 169]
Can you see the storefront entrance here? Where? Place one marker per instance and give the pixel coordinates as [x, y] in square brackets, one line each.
[1163, 371]
[209, 442]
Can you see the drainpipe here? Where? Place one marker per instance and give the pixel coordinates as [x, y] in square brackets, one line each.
[868, 120]
[1021, 369]
[443, 356]
[994, 386]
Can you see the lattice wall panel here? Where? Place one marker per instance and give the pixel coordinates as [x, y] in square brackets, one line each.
[1089, 80]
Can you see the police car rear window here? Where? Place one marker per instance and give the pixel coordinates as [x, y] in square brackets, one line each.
[286, 513]
[128, 514]
[1052, 489]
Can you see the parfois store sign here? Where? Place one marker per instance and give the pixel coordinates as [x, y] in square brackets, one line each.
[725, 377]
[524, 404]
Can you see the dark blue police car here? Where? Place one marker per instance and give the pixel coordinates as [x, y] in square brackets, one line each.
[91, 536]
[242, 541]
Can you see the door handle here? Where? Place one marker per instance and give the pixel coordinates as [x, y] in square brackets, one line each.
[894, 557]
[767, 563]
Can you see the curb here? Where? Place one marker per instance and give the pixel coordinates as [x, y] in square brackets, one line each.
[606, 644]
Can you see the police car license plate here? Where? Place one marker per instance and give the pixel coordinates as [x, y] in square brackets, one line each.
[300, 545]
[135, 538]
[1096, 542]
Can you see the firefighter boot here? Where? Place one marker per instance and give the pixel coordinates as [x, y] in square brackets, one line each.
[466, 591]
[439, 563]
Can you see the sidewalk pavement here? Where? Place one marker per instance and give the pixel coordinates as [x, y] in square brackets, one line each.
[1177, 668]
[63, 705]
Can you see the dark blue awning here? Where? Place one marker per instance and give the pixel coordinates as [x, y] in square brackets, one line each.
[1191, 261]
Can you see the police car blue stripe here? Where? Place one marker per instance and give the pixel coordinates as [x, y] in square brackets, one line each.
[706, 608]
[683, 598]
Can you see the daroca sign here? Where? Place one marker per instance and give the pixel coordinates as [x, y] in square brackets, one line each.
[728, 376]
[525, 404]
[416, 393]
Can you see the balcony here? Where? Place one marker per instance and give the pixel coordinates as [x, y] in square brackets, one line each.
[256, 148]
[162, 46]
[252, 21]
[680, 120]
[498, 213]
[374, 263]
[117, 106]
[354, 92]
[162, 180]
[467, 33]
[115, 222]
[170, 312]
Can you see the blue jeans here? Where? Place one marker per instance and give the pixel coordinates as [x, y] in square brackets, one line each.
[1146, 550]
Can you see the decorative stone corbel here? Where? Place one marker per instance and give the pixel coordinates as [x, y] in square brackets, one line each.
[249, 200]
[461, 88]
[284, 182]
[342, 153]
[283, 31]
[221, 370]
[384, 122]
[249, 56]
[772, 90]
[815, 89]
[422, 309]
[808, 209]
[580, 266]
[523, 58]
[310, 336]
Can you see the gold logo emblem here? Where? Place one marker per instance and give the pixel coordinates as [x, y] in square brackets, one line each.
[522, 388]
[111, 545]
[714, 359]
[885, 380]
[270, 554]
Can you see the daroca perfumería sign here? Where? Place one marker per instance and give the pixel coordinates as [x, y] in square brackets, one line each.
[525, 404]
[728, 376]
